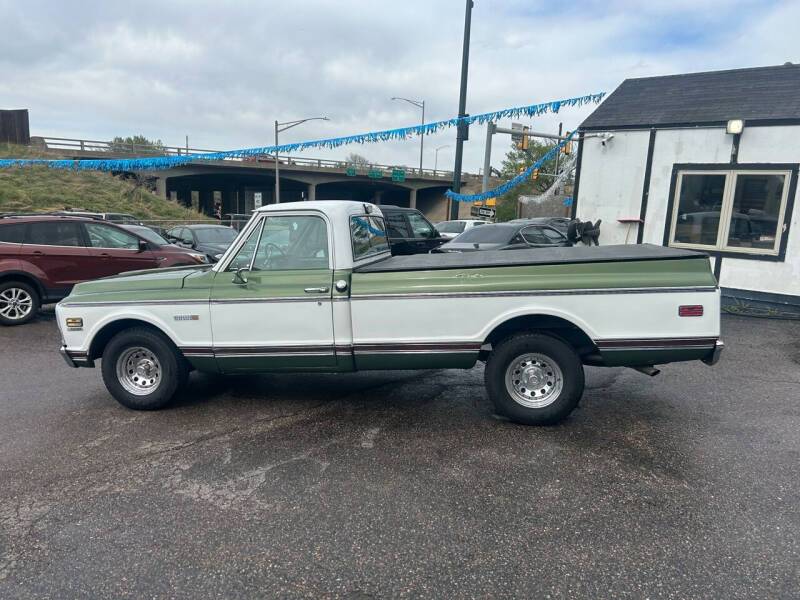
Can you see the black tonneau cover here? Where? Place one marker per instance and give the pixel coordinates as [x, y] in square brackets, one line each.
[534, 256]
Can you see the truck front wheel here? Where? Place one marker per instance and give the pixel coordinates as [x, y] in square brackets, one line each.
[142, 370]
[534, 379]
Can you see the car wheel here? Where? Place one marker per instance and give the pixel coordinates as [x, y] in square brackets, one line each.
[534, 379]
[142, 369]
[19, 303]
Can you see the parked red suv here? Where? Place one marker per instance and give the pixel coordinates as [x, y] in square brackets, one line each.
[42, 257]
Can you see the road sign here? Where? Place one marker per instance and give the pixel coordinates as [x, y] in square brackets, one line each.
[375, 173]
[398, 175]
[482, 211]
[257, 199]
[351, 171]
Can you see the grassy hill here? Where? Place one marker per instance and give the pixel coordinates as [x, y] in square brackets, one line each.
[42, 189]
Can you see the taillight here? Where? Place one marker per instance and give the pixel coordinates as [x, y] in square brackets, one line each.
[690, 310]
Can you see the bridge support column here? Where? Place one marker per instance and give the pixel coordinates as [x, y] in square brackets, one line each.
[161, 187]
[312, 192]
[412, 198]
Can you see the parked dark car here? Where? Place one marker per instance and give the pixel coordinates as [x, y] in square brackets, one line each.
[506, 236]
[42, 257]
[409, 231]
[212, 240]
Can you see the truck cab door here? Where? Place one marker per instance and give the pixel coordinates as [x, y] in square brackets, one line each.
[271, 306]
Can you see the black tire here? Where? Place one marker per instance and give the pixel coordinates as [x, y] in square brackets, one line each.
[559, 403]
[172, 368]
[20, 290]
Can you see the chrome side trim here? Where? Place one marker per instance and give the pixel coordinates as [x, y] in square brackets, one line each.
[511, 294]
[132, 303]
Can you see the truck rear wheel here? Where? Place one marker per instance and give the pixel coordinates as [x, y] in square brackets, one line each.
[142, 370]
[534, 379]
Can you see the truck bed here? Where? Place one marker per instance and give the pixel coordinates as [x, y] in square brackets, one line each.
[534, 256]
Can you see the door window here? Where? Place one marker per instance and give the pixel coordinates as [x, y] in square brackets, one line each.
[103, 236]
[244, 257]
[535, 235]
[55, 233]
[420, 226]
[292, 243]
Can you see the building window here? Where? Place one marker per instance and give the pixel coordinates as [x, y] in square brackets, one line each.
[739, 211]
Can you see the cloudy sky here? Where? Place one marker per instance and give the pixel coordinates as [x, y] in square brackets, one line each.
[222, 72]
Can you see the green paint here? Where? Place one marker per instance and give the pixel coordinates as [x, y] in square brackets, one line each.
[272, 284]
[634, 274]
[430, 360]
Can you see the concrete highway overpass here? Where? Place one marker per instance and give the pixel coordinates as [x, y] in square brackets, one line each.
[240, 184]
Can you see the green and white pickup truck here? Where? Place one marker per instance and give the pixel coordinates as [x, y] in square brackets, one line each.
[312, 286]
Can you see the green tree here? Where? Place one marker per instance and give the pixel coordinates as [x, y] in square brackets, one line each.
[136, 143]
[517, 161]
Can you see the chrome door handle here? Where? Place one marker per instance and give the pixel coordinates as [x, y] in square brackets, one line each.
[320, 290]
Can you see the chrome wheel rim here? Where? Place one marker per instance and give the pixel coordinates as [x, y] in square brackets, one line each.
[15, 303]
[139, 371]
[534, 380]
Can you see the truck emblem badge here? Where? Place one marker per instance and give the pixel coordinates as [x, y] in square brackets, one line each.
[187, 317]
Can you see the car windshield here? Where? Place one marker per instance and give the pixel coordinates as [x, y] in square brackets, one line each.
[148, 234]
[451, 226]
[488, 234]
[215, 235]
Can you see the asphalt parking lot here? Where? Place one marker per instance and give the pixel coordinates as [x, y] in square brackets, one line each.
[392, 484]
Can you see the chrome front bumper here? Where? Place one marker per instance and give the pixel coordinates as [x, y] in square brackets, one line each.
[713, 358]
[75, 359]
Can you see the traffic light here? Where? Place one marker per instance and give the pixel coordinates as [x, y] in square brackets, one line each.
[525, 138]
[535, 174]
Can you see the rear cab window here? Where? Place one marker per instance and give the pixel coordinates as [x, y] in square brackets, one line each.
[368, 236]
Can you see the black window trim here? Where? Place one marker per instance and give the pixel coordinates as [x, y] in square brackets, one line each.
[787, 217]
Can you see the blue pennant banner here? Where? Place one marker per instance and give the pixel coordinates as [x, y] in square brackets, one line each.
[151, 163]
[512, 183]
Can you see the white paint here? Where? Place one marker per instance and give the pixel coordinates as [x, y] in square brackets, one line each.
[625, 157]
[601, 316]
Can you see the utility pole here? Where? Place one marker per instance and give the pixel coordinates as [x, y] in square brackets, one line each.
[283, 127]
[487, 155]
[463, 128]
[436, 157]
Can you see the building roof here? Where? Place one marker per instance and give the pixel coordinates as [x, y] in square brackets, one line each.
[760, 94]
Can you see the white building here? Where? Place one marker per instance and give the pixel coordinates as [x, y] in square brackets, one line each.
[706, 161]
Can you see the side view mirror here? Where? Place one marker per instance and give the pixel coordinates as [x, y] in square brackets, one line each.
[143, 246]
[240, 276]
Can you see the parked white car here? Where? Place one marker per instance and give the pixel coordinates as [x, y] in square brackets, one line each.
[450, 229]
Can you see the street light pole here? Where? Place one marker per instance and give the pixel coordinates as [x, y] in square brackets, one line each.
[436, 157]
[418, 104]
[283, 127]
[463, 129]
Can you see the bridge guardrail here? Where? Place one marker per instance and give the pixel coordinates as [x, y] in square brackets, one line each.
[92, 147]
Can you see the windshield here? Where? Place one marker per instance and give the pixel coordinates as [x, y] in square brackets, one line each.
[488, 234]
[450, 226]
[215, 235]
[149, 235]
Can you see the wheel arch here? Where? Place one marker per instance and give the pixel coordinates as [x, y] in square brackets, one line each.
[24, 277]
[556, 325]
[108, 330]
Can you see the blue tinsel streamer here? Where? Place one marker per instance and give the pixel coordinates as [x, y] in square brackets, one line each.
[512, 183]
[154, 163]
